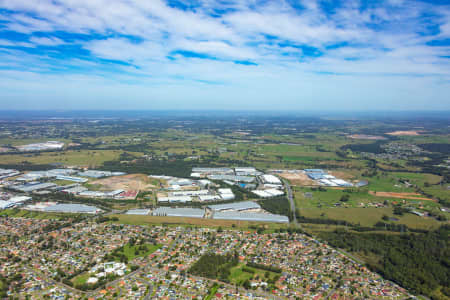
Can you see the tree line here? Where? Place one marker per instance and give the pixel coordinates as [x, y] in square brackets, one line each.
[418, 262]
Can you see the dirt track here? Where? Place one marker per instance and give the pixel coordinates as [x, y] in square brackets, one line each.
[400, 195]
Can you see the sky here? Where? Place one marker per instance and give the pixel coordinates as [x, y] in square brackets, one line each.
[341, 55]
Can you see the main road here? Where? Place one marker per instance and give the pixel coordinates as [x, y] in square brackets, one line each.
[290, 196]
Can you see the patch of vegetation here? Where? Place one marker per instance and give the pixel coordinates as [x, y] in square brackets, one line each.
[419, 262]
[212, 291]
[437, 147]
[277, 205]
[264, 267]
[130, 251]
[215, 266]
[369, 147]
[3, 287]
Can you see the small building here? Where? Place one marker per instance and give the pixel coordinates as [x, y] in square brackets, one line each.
[92, 280]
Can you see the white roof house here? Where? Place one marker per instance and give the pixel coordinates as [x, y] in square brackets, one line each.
[92, 280]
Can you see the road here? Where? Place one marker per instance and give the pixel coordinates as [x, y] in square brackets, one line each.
[290, 196]
[330, 293]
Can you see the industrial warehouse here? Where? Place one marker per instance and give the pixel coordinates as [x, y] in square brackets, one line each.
[239, 211]
[208, 193]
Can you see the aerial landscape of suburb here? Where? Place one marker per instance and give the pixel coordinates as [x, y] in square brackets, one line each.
[225, 149]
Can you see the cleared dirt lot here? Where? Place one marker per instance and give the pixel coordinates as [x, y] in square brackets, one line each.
[409, 132]
[400, 195]
[298, 179]
[135, 182]
[342, 175]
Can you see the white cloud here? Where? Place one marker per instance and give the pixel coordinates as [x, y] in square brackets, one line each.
[9, 43]
[46, 41]
[379, 41]
[216, 48]
[122, 49]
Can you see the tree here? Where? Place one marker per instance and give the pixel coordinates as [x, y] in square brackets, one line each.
[247, 284]
[345, 198]
[398, 210]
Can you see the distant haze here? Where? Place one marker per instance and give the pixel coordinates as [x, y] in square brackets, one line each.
[312, 55]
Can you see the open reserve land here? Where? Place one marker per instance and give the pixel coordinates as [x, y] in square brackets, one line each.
[158, 220]
[368, 217]
[82, 158]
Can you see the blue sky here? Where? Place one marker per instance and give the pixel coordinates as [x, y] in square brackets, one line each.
[224, 54]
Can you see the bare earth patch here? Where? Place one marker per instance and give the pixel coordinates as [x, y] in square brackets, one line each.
[407, 133]
[134, 182]
[298, 179]
[411, 196]
[341, 175]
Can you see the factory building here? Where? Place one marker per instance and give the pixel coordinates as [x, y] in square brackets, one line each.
[175, 199]
[179, 212]
[260, 217]
[268, 193]
[235, 206]
[191, 193]
[270, 179]
[73, 208]
[211, 171]
[138, 212]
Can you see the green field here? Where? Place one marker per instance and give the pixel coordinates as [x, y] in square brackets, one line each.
[390, 182]
[212, 292]
[369, 216]
[21, 213]
[80, 279]
[89, 158]
[239, 274]
[329, 197]
[439, 191]
[175, 221]
[134, 251]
